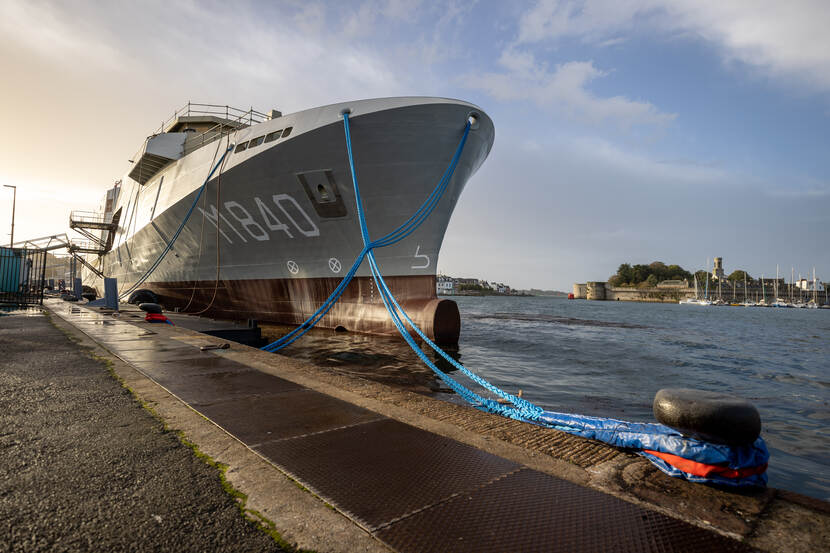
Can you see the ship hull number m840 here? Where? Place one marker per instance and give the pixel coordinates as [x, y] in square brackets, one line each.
[282, 207]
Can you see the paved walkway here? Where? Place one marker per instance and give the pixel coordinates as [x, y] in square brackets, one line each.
[412, 489]
[83, 467]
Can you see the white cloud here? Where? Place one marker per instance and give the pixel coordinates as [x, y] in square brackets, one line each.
[29, 26]
[782, 39]
[563, 89]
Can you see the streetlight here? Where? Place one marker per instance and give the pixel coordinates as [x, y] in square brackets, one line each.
[14, 200]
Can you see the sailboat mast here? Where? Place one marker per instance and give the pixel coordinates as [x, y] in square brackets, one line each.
[792, 282]
[775, 286]
[814, 285]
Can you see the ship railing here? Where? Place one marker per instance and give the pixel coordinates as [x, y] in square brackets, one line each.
[214, 133]
[87, 217]
[85, 246]
[229, 113]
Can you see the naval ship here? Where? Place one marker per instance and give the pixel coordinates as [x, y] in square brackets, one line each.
[275, 228]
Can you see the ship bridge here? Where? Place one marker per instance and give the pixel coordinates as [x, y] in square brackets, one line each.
[190, 128]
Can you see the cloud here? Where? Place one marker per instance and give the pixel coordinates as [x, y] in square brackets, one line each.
[563, 89]
[29, 26]
[782, 39]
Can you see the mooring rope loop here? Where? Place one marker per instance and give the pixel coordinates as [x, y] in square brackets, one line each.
[713, 463]
[404, 230]
[521, 409]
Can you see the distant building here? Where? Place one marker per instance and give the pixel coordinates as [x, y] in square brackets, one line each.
[804, 284]
[447, 285]
[673, 284]
[717, 271]
[444, 285]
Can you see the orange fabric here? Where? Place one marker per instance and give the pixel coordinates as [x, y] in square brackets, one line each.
[704, 470]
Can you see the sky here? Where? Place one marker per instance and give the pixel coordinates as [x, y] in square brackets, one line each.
[626, 132]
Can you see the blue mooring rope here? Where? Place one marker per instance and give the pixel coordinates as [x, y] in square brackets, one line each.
[638, 436]
[407, 228]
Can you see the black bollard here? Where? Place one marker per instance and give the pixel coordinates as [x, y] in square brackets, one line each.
[709, 416]
[150, 307]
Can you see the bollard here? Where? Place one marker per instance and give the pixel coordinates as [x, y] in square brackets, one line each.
[110, 298]
[111, 293]
[709, 416]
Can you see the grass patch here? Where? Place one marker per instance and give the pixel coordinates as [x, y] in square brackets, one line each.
[258, 519]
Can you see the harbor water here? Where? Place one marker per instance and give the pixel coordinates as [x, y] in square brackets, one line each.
[609, 359]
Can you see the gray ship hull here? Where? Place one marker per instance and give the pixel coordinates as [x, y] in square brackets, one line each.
[276, 229]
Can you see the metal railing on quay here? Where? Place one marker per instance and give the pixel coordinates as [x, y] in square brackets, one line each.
[22, 276]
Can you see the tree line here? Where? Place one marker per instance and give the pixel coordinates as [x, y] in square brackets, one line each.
[651, 274]
[657, 271]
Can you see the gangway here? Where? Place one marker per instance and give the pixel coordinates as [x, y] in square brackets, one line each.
[85, 222]
[61, 241]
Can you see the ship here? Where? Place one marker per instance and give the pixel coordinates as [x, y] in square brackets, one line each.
[272, 232]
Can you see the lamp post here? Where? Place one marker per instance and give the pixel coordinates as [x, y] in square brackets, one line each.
[14, 200]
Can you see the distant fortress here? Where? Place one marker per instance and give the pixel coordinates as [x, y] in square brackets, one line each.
[672, 291]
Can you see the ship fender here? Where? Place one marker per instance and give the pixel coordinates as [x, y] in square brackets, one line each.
[142, 296]
[443, 317]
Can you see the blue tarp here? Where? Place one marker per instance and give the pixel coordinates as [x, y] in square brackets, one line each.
[641, 436]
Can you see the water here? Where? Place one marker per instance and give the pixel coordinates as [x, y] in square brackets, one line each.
[610, 358]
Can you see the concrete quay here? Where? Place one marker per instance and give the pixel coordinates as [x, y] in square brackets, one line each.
[338, 463]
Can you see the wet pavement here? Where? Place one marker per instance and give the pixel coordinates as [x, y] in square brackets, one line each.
[83, 467]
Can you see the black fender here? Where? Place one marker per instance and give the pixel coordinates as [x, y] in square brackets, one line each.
[142, 296]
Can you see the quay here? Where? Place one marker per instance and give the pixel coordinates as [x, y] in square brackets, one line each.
[323, 461]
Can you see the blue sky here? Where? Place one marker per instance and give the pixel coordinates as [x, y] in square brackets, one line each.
[625, 131]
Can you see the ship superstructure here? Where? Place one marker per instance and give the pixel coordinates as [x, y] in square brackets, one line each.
[275, 228]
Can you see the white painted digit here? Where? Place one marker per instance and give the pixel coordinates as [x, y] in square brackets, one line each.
[241, 214]
[419, 255]
[270, 219]
[279, 198]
